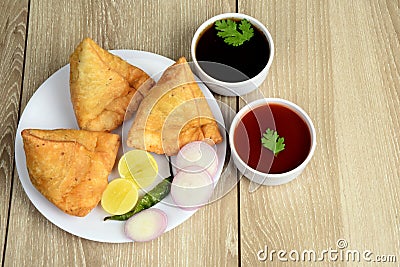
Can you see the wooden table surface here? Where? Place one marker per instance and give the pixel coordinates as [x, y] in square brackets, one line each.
[339, 60]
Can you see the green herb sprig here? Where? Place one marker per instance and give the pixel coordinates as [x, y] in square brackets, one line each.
[228, 30]
[272, 141]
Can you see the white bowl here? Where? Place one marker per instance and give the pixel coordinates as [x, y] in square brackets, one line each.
[265, 178]
[232, 88]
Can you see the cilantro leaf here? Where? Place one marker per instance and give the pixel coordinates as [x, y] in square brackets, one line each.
[228, 30]
[272, 141]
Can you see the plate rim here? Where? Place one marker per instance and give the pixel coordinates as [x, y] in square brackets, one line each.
[36, 198]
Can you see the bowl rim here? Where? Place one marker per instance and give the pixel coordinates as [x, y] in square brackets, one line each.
[259, 102]
[253, 21]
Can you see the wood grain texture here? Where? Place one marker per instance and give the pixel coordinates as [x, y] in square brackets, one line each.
[12, 46]
[369, 173]
[339, 61]
[210, 237]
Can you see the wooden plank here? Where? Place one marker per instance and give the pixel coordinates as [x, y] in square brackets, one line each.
[339, 61]
[303, 214]
[366, 86]
[210, 237]
[12, 49]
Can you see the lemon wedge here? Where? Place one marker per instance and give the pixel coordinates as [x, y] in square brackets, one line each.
[120, 196]
[138, 165]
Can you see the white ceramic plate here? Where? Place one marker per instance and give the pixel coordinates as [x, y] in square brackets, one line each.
[50, 108]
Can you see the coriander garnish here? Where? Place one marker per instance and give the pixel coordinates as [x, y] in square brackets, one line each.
[272, 141]
[228, 30]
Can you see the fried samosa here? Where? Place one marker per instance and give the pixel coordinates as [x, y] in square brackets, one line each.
[174, 113]
[104, 87]
[70, 167]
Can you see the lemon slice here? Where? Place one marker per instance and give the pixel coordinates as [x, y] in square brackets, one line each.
[140, 166]
[120, 196]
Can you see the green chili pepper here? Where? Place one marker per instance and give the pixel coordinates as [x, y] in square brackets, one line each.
[151, 198]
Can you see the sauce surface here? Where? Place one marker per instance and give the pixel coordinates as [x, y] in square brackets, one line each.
[243, 62]
[288, 124]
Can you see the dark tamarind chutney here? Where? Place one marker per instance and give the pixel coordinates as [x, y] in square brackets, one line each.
[234, 63]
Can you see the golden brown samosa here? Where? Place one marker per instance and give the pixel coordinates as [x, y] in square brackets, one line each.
[103, 87]
[174, 113]
[70, 167]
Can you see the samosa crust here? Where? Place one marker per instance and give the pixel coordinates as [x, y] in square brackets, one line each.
[174, 113]
[70, 167]
[104, 88]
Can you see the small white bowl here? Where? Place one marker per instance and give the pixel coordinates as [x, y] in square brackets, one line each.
[265, 178]
[232, 88]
